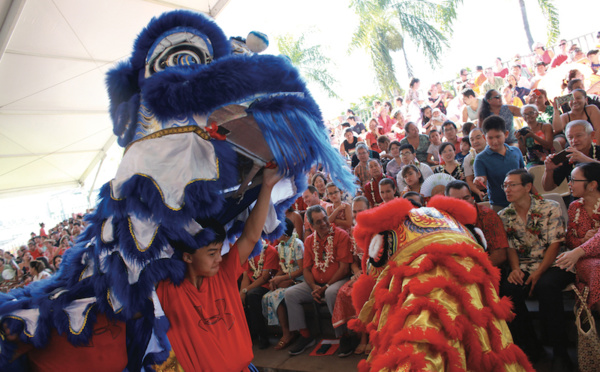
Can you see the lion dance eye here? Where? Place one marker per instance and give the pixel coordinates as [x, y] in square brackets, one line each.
[178, 48]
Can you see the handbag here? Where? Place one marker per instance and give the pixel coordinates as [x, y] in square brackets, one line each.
[588, 342]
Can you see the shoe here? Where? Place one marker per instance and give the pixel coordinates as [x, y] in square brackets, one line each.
[302, 344]
[346, 347]
[263, 343]
[360, 349]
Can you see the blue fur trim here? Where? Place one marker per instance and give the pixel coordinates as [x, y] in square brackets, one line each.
[301, 143]
[161, 326]
[203, 88]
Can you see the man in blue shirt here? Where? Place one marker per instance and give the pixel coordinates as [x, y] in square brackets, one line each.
[493, 163]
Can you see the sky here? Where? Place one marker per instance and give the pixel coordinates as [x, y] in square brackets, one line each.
[483, 31]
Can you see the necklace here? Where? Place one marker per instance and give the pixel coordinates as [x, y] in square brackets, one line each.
[327, 253]
[257, 269]
[595, 216]
[285, 258]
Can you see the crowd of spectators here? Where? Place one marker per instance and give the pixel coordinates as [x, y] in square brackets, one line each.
[41, 257]
[477, 146]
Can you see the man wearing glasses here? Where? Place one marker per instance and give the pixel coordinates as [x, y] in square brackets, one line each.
[582, 150]
[535, 229]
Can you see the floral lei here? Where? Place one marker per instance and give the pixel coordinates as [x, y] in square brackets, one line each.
[327, 251]
[257, 269]
[285, 259]
[595, 216]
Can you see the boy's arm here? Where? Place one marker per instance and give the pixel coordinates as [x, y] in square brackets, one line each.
[257, 218]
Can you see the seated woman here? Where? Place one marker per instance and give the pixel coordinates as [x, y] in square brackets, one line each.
[397, 131]
[535, 140]
[580, 110]
[539, 98]
[387, 190]
[583, 239]
[38, 272]
[291, 255]
[413, 178]
[517, 91]
[425, 119]
[450, 166]
[339, 212]
[372, 135]
[319, 181]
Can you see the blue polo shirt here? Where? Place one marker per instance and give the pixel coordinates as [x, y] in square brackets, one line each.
[494, 166]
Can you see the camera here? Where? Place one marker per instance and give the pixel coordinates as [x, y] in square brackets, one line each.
[523, 131]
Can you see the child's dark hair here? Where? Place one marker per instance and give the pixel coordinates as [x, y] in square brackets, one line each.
[212, 230]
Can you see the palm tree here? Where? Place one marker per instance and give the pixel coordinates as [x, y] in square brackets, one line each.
[309, 60]
[551, 15]
[384, 25]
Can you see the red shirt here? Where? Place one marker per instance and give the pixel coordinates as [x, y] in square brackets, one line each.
[208, 326]
[490, 223]
[307, 227]
[270, 262]
[342, 252]
[502, 73]
[371, 190]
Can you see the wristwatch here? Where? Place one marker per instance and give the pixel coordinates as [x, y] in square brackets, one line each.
[245, 290]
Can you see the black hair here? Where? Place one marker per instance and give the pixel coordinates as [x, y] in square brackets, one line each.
[397, 143]
[446, 144]
[467, 128]
[362, 199]
[312, 189]
[468, 92]
[525, 176]
[209, 225]
[456, 185]
[54, 259]
[591, 172]
[493, 122]
[351, 117]
[414, 168]
[387, 181]
[484, 107]
[317, 175]
[409, 123]
[414, 193]
[407, 146]
[288, 227]
[466, 140]
[313, 209]
[448, 122]
[571, 83]
[382, 139]
[413, 81]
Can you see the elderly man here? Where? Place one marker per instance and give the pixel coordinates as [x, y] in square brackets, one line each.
[478, 144]
[371, 189]
[408, 156]
[310, 196]
[327, 259]
[579, 135]
[487, 220]
[361, 170]
[536, 233]
[491, 82]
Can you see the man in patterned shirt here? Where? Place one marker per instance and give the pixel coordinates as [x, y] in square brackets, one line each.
[535, 229]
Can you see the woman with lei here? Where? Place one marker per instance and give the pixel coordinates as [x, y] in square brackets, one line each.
[291, 253]
[582, 237]
[450, 166]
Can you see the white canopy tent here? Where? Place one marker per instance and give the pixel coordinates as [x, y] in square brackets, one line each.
[54, 124]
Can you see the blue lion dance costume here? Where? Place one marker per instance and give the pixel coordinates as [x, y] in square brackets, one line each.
[199, 119]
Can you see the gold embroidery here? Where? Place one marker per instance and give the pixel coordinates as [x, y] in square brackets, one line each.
[137, 245]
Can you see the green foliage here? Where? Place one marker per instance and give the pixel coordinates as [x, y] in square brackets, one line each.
[311, 62]
[384, 25]
[551, 14]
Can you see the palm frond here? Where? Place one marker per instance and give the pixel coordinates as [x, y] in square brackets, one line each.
[551, 14]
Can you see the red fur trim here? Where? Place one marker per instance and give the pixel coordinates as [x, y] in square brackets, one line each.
[464, 212]
[387, 216]
[361, 290]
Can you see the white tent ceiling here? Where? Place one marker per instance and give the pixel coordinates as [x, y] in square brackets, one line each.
[54, 54]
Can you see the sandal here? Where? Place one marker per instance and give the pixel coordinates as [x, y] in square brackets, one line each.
[368, 349]
[282, 344]
[360, 349]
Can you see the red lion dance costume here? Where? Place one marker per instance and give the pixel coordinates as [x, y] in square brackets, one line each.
[430, 297]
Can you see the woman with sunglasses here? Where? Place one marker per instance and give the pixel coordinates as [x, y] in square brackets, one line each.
[492, 105]
[583, 240]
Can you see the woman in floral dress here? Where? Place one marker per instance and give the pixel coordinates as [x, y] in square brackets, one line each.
[291, 254]
[582, 238]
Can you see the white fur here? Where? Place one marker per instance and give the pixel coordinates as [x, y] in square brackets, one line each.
[375, 245]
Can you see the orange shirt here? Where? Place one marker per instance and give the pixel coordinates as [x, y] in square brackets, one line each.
[342, 252]
[270, 262]
[208, 327]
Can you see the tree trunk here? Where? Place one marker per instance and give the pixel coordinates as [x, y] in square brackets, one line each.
[409, 70]
[526, 23]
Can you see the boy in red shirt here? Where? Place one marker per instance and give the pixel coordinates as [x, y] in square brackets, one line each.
[208, 331]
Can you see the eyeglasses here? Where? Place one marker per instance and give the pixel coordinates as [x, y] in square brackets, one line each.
[507, 186]
[530, 113]
[562, 44]
[573, 181]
